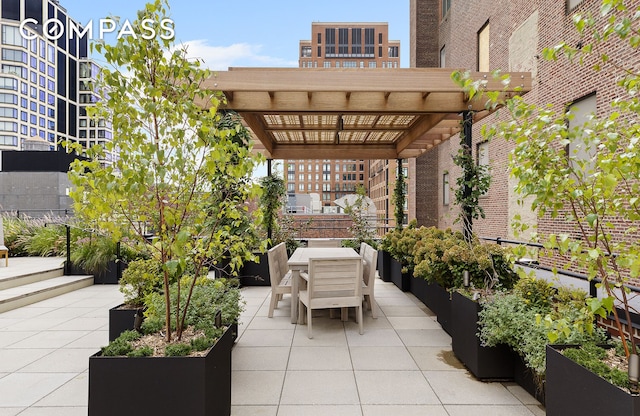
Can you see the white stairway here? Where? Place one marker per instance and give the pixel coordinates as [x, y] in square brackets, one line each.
[32, 279]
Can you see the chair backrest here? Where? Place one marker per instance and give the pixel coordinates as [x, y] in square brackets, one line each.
[370, 257]
[1, 232]
[278, 266]
[324, 243]
[335, 277]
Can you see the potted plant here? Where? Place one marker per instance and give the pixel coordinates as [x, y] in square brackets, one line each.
[256, 273]
[574, 373]
[184, 171]
[577, 174]
[201, 361]
[399, 243]
[524, 318]
[142, 278]
[363, 224]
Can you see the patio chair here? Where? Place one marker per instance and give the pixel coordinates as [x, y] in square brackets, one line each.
[369, 274]
[332, 283]
[3, 249]
[279, 274]
[324, 243]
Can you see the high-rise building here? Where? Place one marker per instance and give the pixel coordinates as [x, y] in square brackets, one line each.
[349, 45]
[45, 78]
[345, 45]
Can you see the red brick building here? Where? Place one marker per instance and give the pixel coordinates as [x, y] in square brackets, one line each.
[488, 35]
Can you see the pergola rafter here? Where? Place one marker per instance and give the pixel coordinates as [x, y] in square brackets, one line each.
[351, 113]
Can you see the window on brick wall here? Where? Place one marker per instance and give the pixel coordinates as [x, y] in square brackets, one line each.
[483, 48]
[572, 4]
[443, 63]
[445, 189]
[581, 110]
[446, 5]
[483, 153]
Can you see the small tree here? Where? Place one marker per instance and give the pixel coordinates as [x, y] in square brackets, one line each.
[183, 170]
[471, 185]
[271, 202]
[594, 193]
[398, 197]
[361, 229]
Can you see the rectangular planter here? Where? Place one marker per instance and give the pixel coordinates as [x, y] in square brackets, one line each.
[194, 386]
[438, 299]
[527, 379]
[110, 276]
[122, 319]
[384, 265]
[573, 390]
[496, 363]
[401, 280]
[255, 273]
[419, 288]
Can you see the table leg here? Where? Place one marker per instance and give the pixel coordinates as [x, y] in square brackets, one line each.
[295, 276]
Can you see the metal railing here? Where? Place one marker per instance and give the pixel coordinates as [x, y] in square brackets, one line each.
[593, 289]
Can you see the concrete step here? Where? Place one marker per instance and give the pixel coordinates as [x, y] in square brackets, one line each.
[26, 294]
[30, 277]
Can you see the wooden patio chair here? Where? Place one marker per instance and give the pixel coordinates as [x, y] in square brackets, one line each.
[279, 275]
[332, 283]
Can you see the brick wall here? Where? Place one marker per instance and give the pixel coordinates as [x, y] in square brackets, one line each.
[322, 226]
[519, 30]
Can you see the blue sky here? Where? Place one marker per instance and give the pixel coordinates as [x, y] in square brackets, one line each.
[254, 33]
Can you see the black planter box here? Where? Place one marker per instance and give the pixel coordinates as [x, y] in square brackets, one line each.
[419, 288]
[495, 363]
[122, 319]
[384, 265]
[194, 386]
[255, 274]
[109, 276]
[528, 380]
[401, 280]
[438, 299]
[573, 390]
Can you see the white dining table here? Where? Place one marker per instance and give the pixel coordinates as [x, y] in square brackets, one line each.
[299, 261]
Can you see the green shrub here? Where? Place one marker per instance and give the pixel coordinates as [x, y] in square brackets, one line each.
[202, 343]
[177, 350]
[117, 347]
[122, 345]
[526, 319]
[208, 297]
[145, 351]
[592, 358]
[139, 279]
[442, 256]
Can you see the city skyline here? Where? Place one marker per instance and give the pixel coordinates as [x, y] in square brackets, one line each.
[252, 34]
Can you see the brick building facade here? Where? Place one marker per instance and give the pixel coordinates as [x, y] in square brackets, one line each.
[510, 36]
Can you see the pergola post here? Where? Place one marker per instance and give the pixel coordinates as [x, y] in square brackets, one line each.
[467, 126]
[269, 173]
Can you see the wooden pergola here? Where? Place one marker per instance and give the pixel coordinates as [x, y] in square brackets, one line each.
[352, 113]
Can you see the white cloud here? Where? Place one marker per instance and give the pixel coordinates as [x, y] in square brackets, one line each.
[238, 54]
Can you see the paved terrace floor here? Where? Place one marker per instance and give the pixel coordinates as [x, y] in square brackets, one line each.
[402, 365]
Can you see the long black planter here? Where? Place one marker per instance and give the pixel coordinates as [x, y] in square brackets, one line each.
[384, 265]
[109, 276]
[123, 318]
[528, 380]
[419, 288]
[401, 280]
[255, 273]
[496, 363]
[573, 390]
[194, 386]
[438, 299]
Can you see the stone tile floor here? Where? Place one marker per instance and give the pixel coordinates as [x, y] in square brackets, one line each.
[401, 366]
